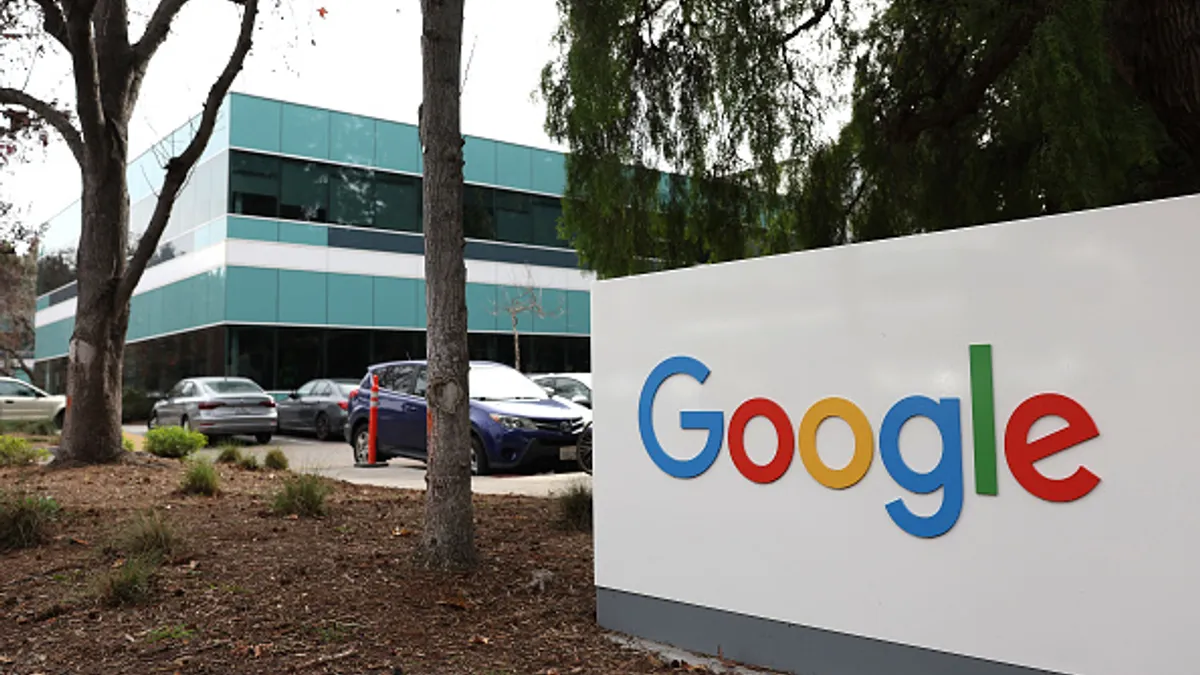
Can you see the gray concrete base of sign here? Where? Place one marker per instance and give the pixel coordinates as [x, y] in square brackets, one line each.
[780, 645]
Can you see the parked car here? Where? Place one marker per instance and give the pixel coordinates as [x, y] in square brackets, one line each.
[514, 422]
[575, 387]
[218, 406]
[319, 407]
[585, 449]
[23, 402]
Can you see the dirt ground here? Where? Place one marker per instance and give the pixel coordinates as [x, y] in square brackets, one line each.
[253, 592]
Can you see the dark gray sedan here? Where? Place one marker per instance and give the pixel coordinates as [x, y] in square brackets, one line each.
[319, 407]
[218, 406]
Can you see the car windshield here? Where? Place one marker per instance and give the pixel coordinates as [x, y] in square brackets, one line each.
[233, 387]
[501, 383]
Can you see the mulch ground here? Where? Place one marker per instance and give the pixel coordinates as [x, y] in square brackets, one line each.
[258, 593]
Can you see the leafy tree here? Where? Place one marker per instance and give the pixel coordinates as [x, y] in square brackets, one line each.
[963, 113]
[18, 253]
[108, 67]
[449, 536]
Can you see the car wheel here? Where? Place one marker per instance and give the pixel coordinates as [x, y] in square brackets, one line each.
[321, 425]
[583, 451]
[362, 444]
[479, 460]
[262, 439]
[152, 422]
[186, 424]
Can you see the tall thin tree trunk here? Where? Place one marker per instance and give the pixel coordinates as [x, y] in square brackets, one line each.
[449, 535]
[93, 422]
[516, 344]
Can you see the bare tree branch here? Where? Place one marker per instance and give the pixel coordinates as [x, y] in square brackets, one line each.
[85, 68]
[179, 167]
[812, 22]
[52, 116]
[157, 29]
[53, 22]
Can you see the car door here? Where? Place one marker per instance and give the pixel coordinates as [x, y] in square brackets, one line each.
[291, 409]
[316, 402]
[17, 402]
[186, 405]
[169, 408]
[397, 408]
[420, 418]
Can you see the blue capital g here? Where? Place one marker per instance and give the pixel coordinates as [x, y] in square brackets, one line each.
[711, 420]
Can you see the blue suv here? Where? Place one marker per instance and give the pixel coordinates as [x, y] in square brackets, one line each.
[514, 422]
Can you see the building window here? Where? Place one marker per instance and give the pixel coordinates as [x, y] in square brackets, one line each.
[397, 202]
[479, 213]
[546, 214]
[352, 197]
[514, 217]
[253, 184]
[304, 191]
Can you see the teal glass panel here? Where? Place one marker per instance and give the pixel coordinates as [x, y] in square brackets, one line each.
[579, 312]
[351, 139]
[396, 303]
[305, 131]
[215, 288]
[300, 233]
[397, 147]
[481, 307]
[53, 339]
[512, 298]
[549, 172]
[553, 318]
[252, 228]
[254, 123]
[422, 312]
[155, 321]
[175, 314]
[351, 300]
[479, 156]
[43, 302]
[514, 166]
[301, 297]
[251, 294]
[514, 217]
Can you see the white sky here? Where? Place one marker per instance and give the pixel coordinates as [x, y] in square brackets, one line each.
[366, 59]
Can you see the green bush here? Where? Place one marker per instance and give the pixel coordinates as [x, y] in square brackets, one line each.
[127, 445]
[129, 583]
[18, 452]
[276, 460]
[149, 536]
[174, 442]
[230, 454]
[248, 462]
[25, 519]
[575, 507]
[200, 478]
[302, 495]
[29, 427]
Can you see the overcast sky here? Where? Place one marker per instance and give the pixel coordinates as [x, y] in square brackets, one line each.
[362, 57]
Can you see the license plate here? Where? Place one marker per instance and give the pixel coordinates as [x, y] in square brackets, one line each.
[567, 452]
[242, 411]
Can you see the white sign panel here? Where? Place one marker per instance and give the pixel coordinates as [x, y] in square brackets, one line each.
[979, 442]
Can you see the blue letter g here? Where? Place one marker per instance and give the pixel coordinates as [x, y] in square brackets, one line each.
[711, 420]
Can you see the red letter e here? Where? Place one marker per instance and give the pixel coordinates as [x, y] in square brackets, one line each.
[1022, 454]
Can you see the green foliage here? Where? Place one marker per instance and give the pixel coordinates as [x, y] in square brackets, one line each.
[574, 507]
[248, 462]
[127, 445]
[25, 519]
[276, 460]
[129, 583]
[173, 442]
[149, 536]
[200, 478]
[230, 454]
[302, 495]
[16, 451]
[29, 427]
[175, 632]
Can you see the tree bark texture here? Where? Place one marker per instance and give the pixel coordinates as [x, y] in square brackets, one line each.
[1156, 46]
[449, 534]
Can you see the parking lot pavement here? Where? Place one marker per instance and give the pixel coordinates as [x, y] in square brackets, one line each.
[335, 460]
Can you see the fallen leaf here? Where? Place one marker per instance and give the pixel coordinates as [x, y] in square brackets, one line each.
[480, 640]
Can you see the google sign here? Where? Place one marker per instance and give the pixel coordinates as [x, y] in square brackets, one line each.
[1020, 453]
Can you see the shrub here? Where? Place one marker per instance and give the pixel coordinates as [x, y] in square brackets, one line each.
[18, 452]
[276, 460]
[147, 536]
[200, 478]
[131, 582]
[127, 445]
[248, 462]
[30, 427]
[25, 520]
[174, 442]
[230, 454]
[575, 507]
[302, 495]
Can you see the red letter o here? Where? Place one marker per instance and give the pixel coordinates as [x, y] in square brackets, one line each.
[773, 470]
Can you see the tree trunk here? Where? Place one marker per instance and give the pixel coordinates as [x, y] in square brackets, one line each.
[516, 344]
[92, 432]
[1156, 47]
[449, 535]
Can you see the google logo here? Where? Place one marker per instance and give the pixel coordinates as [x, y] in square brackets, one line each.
[1021, 453]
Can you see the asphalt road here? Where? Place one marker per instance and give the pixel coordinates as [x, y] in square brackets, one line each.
[335, 460]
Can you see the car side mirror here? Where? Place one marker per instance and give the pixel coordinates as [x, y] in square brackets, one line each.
[295, 395]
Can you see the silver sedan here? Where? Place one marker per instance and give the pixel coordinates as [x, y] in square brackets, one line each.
[218, 406]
